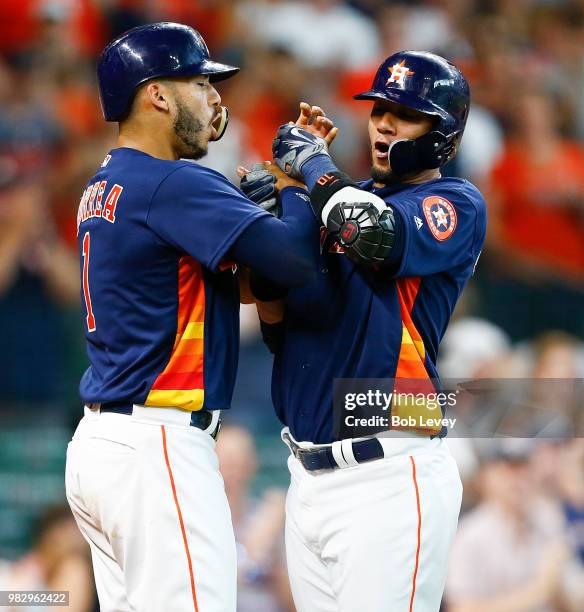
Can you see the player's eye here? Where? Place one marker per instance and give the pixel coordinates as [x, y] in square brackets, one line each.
[377, 111]
[408, 115]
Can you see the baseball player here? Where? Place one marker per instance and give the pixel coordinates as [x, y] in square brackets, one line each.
[370, 520]
[159, 239]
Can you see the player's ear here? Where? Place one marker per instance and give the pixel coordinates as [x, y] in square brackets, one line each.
[159, 95]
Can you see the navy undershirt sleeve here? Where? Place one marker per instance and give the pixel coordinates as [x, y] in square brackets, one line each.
[284, 250]
[316, 167]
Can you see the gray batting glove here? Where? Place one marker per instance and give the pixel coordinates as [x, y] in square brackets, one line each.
[294, 146]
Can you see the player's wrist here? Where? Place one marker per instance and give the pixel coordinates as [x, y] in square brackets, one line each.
[316, 167]
[325, 187]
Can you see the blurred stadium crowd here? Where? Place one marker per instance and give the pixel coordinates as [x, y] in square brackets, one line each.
[521, 539]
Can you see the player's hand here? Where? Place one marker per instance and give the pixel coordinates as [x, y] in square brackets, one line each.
[294, 146]
[262, 183]
[259, 185]
[282, 179]
[314, 120]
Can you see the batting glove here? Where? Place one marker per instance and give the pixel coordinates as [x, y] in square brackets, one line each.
[293, 147]
[260, 187]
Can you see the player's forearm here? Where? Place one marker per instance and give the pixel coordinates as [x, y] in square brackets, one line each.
[283, 250]
[272, 332]
[363, 224]
[370, 232]
[316, 167]
[245, 294]
[271, 312]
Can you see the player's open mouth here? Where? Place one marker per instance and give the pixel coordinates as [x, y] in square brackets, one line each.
[214, 122]
[219, 123]
[380, 149]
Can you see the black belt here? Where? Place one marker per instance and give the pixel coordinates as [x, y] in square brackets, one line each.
[201, 419]
[314, 459]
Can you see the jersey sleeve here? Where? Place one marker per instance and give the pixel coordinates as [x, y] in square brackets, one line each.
[198, 211]
[441, 231]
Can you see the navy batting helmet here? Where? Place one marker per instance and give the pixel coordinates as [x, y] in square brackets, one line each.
[429, 84]
[150, 51]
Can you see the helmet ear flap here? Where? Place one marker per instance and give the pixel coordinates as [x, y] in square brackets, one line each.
[431, 150]
[441, 148]
[448, 148]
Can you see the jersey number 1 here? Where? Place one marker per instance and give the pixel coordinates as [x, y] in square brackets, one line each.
[90, 319]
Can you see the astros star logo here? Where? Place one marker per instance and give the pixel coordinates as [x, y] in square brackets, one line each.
[398, 72]
[441, 217]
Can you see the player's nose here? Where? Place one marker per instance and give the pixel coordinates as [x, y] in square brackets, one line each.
[387, 123]
[214, 97]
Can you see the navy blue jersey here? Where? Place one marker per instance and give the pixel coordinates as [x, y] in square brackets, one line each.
[161, 303]
[354, 322]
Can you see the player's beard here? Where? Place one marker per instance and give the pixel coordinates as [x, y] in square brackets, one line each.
[189, 133]
[382, 176]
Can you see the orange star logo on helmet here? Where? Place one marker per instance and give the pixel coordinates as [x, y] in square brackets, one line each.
[398, 72]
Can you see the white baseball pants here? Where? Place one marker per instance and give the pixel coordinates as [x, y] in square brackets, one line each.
[148, 497]
[374, 537]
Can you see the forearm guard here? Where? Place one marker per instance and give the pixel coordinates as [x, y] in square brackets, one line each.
[366, 235]
[359, 221]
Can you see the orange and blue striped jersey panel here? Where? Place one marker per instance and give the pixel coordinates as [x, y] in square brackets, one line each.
[181, 383]
[412, 354]
[411, 374]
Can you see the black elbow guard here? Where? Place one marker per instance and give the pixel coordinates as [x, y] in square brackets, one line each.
[367, 235]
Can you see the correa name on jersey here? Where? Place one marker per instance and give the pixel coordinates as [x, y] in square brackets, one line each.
[91, 202]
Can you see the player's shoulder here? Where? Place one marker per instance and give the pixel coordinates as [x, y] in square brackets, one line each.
[188, 176]
[459, 196]
[458, 191]
[158, 170]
